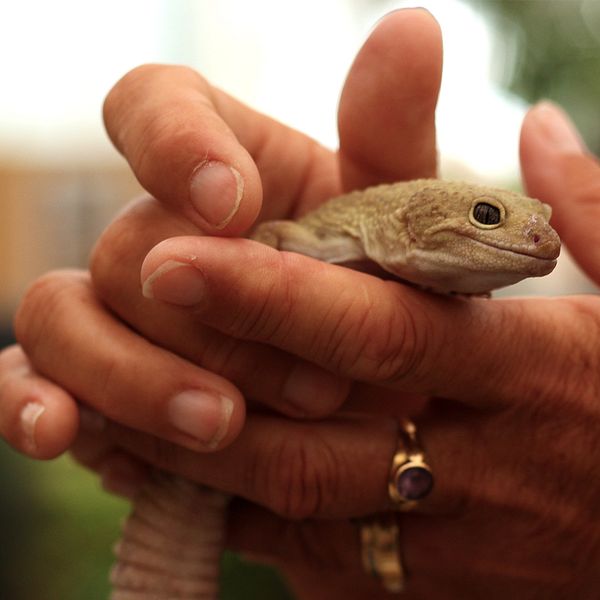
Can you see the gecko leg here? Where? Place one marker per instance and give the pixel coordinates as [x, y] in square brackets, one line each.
[295, 237]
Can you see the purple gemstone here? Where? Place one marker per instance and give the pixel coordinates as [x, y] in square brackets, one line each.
[414, 483]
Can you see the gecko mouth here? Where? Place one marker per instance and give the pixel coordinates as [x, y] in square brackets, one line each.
[547, 252]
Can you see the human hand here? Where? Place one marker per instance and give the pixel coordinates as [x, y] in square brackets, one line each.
[74, 288]
[217, 126]
[475, 532]
[513, 445]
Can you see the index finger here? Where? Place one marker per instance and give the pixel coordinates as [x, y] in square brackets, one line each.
[193, 146]
[476, 350]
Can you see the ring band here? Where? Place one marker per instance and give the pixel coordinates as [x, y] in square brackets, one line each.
[380, 550]
[410, 478]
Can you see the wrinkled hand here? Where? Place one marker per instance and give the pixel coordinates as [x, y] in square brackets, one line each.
[172, 125]
[514, 444]
[513, 447]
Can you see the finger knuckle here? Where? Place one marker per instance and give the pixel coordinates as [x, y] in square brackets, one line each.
[109, 387]
[384, 341]
[408, 344]
[128, 87]
[43, 302]
[154, 146]
[574, 345]
[120, 244]
[12, 357]
[166, 131]
[266, 311]
[300, 479]
[119, 253]
[133, 87]
[106, 249]
[586, 353]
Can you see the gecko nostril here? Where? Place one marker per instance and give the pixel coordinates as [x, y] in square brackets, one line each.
[536, 238]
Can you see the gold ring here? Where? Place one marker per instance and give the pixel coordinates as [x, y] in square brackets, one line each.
[410, 478]
[380, 549]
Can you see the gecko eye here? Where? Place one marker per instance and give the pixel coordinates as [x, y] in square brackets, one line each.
[486, 215]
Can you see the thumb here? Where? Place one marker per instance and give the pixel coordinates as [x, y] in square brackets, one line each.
[558, 169]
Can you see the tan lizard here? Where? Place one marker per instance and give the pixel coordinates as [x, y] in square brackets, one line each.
[440, 235]
[446, 236]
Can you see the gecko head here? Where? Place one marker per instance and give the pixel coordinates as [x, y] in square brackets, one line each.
[472, 238]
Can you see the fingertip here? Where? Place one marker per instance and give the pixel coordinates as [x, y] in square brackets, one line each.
[224, 199]
[393, 86]
[166, 121]
[49, 422]
[57, 430]
[37, 417]
[408, 43]
[234, 420]
[177, 270]
[416, 15]
[556, 165]
[555, 124]
[558, 169]
[166, 256]
[547, 135]
[206, 420]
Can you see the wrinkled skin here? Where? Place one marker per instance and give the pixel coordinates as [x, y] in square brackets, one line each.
[513, 442]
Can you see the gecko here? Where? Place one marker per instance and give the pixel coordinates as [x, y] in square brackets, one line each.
[447, 237]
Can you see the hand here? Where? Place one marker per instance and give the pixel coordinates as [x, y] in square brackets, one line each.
[513, 446]
[100, 379]
[481, 525]
[227, 131]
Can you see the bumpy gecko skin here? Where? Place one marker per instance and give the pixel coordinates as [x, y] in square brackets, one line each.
[443, 236]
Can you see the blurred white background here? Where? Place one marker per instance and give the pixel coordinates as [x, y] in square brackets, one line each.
[287, 59]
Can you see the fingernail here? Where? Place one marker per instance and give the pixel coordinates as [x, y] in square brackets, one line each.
[313, 392]
[557, 128]
[202, 415]
[177, 283]
[30, 415]
[216, 191]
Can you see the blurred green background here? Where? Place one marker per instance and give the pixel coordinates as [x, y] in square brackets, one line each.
[551, 49]
[56, 525]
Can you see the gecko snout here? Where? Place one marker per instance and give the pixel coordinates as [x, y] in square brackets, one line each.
[543, 240]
